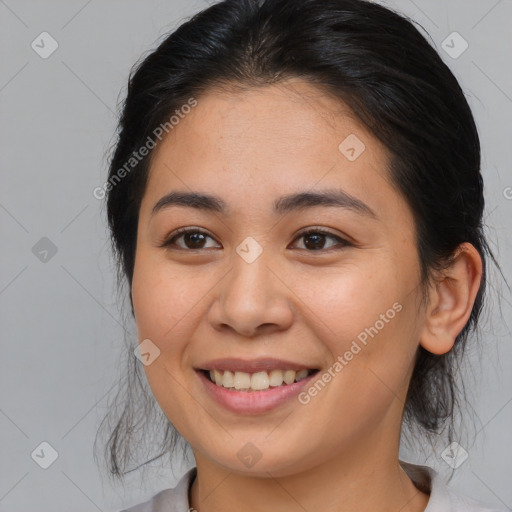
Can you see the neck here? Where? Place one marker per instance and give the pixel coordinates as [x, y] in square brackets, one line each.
[368, 478]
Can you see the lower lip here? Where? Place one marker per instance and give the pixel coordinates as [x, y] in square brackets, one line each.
[253, 402]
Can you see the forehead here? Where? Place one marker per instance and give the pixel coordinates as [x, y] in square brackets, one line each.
[268, 141]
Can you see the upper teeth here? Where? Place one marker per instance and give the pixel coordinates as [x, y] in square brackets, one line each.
[256, 381]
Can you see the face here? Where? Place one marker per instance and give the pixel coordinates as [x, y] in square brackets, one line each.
[301, 264]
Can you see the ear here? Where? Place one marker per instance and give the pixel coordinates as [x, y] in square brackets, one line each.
[451, 300]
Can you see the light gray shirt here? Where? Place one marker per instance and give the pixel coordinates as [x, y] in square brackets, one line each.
[442, 498]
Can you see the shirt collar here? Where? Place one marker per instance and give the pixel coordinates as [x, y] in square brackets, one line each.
[424, 477]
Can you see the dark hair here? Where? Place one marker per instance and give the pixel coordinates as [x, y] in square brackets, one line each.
[376, 62]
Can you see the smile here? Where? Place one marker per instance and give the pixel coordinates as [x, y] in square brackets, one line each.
[258, 381]
[256, 386]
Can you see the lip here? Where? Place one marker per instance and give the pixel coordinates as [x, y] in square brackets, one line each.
[252, 366]
[254, 402]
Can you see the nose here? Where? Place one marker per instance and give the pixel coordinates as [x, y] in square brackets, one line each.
[253, 299]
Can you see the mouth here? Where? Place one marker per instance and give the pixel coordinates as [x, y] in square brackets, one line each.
[256, 381]
[254, 393]
[258, 386]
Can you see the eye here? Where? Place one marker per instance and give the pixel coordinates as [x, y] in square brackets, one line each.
[193, 238]
[315, 240]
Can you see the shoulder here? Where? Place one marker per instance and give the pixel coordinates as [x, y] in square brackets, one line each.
[461, 503]
[442, 497]
[168, 500]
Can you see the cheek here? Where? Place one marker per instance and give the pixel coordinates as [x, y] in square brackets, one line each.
[367, 316]
[163, 301]
[163, 297]
[348, 300]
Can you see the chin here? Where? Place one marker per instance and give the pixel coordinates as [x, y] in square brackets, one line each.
[262, 463]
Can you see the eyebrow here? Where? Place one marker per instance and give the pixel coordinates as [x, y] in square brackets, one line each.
[285, 204]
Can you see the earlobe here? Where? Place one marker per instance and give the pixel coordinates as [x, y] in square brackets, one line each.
[451, 300]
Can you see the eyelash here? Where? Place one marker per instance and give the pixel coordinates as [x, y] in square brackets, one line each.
[169, 242]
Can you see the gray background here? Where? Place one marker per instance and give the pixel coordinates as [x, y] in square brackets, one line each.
[60, 319]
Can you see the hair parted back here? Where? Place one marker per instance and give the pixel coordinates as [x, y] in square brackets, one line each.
[376, 62]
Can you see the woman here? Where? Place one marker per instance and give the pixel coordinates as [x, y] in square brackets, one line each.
[296, 204]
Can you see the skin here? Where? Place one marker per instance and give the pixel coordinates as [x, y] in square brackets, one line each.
[340, 451]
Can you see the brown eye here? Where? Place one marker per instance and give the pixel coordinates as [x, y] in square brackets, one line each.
[192, 239]
[315, 240]
[196, 239]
